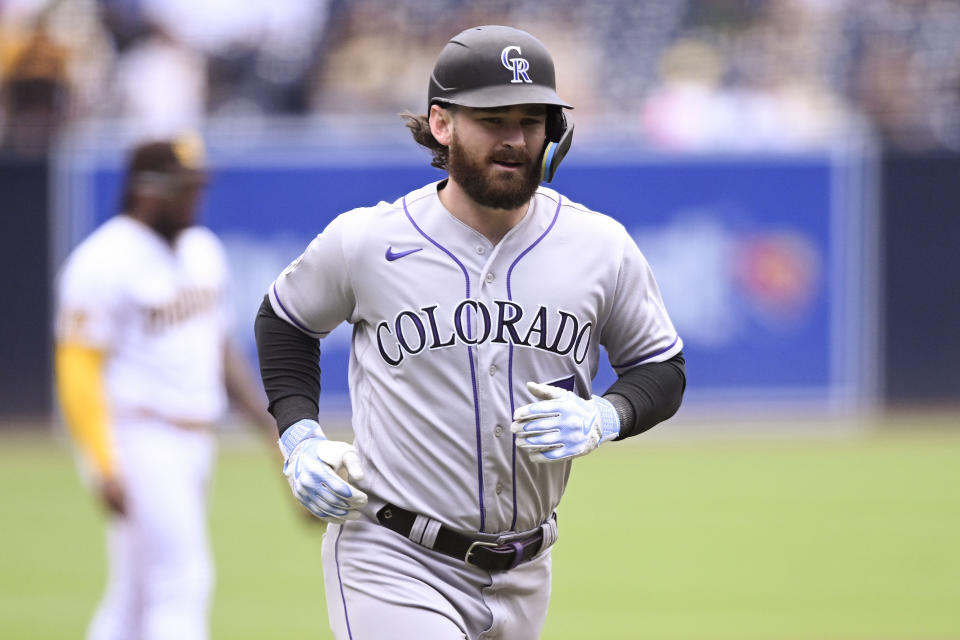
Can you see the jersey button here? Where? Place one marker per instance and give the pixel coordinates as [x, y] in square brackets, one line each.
[498, 431]
[493, 369]
[499, 488]
[481, 250]
[489, 277]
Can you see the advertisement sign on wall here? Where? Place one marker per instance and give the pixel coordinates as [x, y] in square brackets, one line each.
[762, 260]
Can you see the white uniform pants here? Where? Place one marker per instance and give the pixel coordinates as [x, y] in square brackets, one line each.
[381, 585]
[160, 574]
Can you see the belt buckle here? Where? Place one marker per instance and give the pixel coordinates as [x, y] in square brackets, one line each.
[476, 543]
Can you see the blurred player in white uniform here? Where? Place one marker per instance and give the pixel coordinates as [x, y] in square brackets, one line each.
[479, 304]
[144, 366]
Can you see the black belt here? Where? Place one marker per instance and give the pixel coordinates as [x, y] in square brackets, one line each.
[489, 556]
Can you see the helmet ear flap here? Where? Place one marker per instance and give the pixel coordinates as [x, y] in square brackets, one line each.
[556, 123]
[555, 148]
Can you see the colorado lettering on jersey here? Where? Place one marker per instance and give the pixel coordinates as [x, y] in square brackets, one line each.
[185, 305]
[473, 322]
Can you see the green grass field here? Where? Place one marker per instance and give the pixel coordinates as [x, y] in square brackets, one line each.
[839, 538]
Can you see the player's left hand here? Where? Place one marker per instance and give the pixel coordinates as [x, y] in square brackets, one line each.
[562, 425]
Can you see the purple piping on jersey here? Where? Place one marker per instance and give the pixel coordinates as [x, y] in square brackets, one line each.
[473, 372]
[289, 315]
[513, 462]
[646, 357]
[336, 559]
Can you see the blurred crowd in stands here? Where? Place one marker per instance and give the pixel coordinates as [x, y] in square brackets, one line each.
[681, 74]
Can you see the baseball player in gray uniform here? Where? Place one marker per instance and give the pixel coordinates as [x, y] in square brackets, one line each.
[479, 304]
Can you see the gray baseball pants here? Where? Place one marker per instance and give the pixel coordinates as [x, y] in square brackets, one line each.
[381, 585]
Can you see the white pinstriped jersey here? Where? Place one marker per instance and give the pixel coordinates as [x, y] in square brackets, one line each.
[160, 313]
[447, 328]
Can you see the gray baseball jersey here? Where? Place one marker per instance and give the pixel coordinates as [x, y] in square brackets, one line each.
[447, 328]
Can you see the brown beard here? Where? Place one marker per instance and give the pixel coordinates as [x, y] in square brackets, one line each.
[500, 192]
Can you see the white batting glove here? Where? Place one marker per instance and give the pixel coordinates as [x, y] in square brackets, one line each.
[563, 425]
[312, 464]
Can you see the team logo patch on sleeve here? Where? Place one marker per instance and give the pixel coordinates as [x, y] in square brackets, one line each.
[73, 324]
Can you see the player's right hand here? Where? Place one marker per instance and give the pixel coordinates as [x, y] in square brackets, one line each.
[314, 465]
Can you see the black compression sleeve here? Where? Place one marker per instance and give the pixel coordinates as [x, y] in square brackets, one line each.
[289, 367]
[648, 394]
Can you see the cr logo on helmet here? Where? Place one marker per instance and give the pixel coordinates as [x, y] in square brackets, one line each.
[519, 66]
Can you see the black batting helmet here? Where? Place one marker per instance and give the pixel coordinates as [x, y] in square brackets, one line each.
[496, 66]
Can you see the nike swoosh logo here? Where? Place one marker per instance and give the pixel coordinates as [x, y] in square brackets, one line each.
[392, 255]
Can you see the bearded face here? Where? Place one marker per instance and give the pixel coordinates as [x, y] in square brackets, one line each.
[505, 178]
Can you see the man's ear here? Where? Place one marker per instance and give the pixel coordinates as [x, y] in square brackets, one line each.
[441, 124]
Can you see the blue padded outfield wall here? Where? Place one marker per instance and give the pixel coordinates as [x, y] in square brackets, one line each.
[764, 261]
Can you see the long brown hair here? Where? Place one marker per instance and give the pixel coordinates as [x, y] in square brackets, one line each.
[419, 126]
